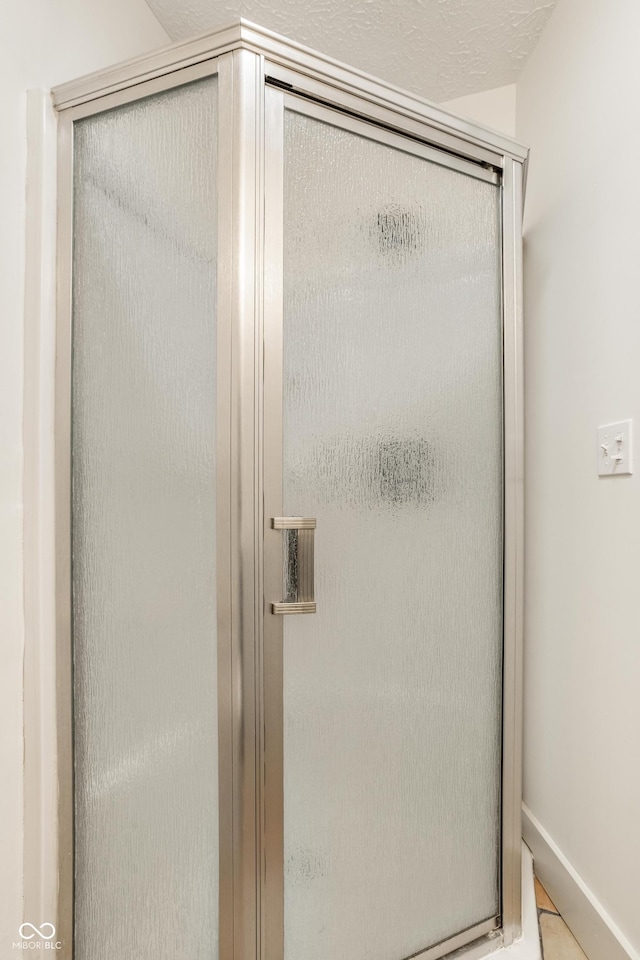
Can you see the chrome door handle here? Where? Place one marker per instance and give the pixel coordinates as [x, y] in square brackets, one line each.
[297, 567]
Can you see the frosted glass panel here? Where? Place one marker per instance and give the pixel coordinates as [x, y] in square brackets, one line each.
[393, 442]
[144, 584]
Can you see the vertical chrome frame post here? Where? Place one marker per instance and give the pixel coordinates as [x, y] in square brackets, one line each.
[272, 747]
[512, 200]
[62, 440]
[224, 529]
[245, 506]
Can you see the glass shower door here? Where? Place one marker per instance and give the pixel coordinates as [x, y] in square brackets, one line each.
[392, 443]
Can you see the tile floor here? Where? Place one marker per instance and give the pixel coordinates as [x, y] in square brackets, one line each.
[558, 943]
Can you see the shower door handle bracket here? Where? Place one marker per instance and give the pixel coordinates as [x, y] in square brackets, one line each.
[292, 606]
[297, 566]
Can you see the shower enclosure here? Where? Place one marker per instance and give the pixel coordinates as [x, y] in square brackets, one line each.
[289, 495]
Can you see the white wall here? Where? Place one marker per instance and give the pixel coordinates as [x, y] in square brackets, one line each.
[577, 108]
[42, 42]
[493, 108]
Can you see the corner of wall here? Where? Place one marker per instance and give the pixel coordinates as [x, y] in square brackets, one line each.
[494, 108]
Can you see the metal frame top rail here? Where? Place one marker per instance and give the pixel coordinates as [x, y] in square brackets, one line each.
[283, 54]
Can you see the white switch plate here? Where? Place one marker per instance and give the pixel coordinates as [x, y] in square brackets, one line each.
[614, 449]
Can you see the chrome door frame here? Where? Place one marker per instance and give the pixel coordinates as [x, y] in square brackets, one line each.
[243, 55]
[504, 171]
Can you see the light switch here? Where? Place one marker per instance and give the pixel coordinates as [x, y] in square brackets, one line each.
[614, 449]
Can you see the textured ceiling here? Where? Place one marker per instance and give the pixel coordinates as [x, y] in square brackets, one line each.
[439, 49]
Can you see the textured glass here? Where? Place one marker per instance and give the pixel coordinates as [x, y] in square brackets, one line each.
[144, 603]
[393, 441]
[290, 571]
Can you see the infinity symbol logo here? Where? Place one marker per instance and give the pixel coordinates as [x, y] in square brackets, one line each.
[37, 931]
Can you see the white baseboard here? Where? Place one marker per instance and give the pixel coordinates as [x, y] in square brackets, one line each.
[585, 916]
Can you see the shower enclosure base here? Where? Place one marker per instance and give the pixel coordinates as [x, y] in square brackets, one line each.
[526, 947]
